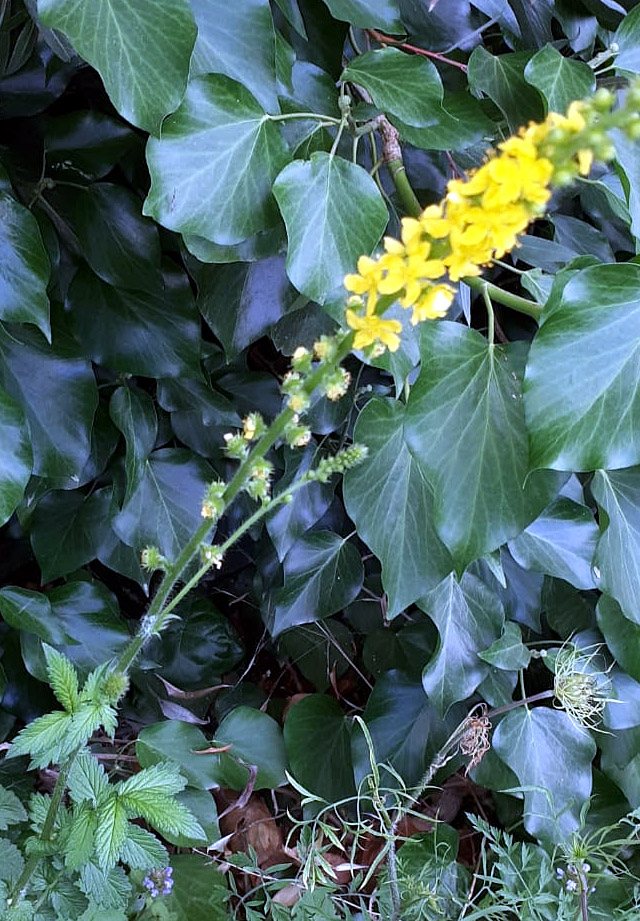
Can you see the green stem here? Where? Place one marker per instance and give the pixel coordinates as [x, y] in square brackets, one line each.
[48, 827]
[316, 116]
[514, 301]
[490, 315]
[156, 612]
[403, 187]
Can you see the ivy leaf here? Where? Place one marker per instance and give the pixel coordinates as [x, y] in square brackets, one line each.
[24, 267]
[391, 503]
[133, 412]
[627, 38]
[16, 460]
[322, 574]
[552, 760]
[561, 543]
[62, 678]
[621, 635]
[368, 14]
[142, 850]
[87, 143]
[213, 167]
[291, 520]
[317, 724]
[256, 740]
[333, 212]
[60, 426]
[121, 246]
[239, 40]
[617, 558]
[11, 809]
[24, 609]
[581, 396]
[501, 78]
[180, 743]
[460, 124]
[133, 331]
[465, 427]
[164, 509]
[404, 85]
[508, 652]
[241, 301]
[67, 530]
[469, 618]
[559, 79]
[140, 50]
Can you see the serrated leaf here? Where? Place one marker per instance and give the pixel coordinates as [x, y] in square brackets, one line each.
[11, 861]
[142, 850]
[168, 815]
[109, 889]
[111, 831]
[465, 427]
[181, 743]
[404, 85]
[80, 838]
[16, 460]
[501, 78]
[391, 503]
[239, 40]
[164, 509]
[469, 618]
[561, 543]
[581, 396]
[42, 738]
[212, 168]
[24, 267]
[334, 213]
[60, 426]
[559, 79]
[11, 809]
[508, 652]
[617, 557]
[63, 678]
[368, 14]
[87, 779]
[548, 752]
[322, 574]
[140, 50]
[161, 780]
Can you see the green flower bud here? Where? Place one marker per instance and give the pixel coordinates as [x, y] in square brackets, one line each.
[151, 559]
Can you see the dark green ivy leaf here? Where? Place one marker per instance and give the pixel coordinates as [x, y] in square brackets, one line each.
[465, 427]
[368, 14]
[58, 396]
[334, 213]
[141, 50]
[133, 412]
[214, 164]
[617, 558]
[239, 40]
[501, 78]
[24, 267]
[559, 79]
[318, 744]
[391, 503]
[16, 457]
[322, 574]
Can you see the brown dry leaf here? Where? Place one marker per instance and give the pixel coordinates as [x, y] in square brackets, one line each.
[287, 896]
[250, 826]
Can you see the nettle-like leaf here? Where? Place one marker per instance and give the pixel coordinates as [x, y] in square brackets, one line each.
[87, 779]
[109, 889]
[62, 677]
[11, 809]
[111, 831]
[80, 837]
[581, 396]
[333, 212]
[213, 166]
[142, 850]
[141, 50]
[391, 502]
[11, 861]
[150, 794]
[465, 427]
[45, 739]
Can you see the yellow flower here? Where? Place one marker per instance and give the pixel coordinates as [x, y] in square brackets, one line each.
[433, 304]
[371, 329]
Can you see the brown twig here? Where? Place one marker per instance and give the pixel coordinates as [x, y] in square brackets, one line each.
[405, 46]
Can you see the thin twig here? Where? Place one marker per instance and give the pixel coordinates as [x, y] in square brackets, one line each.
[405, 46]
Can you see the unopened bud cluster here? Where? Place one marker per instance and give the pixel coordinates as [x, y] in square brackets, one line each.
[338, 463]
[151, 559]
[213, 504]
[212, 555]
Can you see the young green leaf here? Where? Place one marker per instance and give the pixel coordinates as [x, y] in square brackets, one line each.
[142, 850]
[87, 779]
[80, 837]
[62, 677]
[111, 831]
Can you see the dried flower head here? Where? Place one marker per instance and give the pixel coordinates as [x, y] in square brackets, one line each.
[474, 741]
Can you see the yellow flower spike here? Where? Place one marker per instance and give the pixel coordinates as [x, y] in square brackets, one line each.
[433, 305]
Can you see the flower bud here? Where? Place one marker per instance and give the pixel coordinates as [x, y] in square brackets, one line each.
[152, 559]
